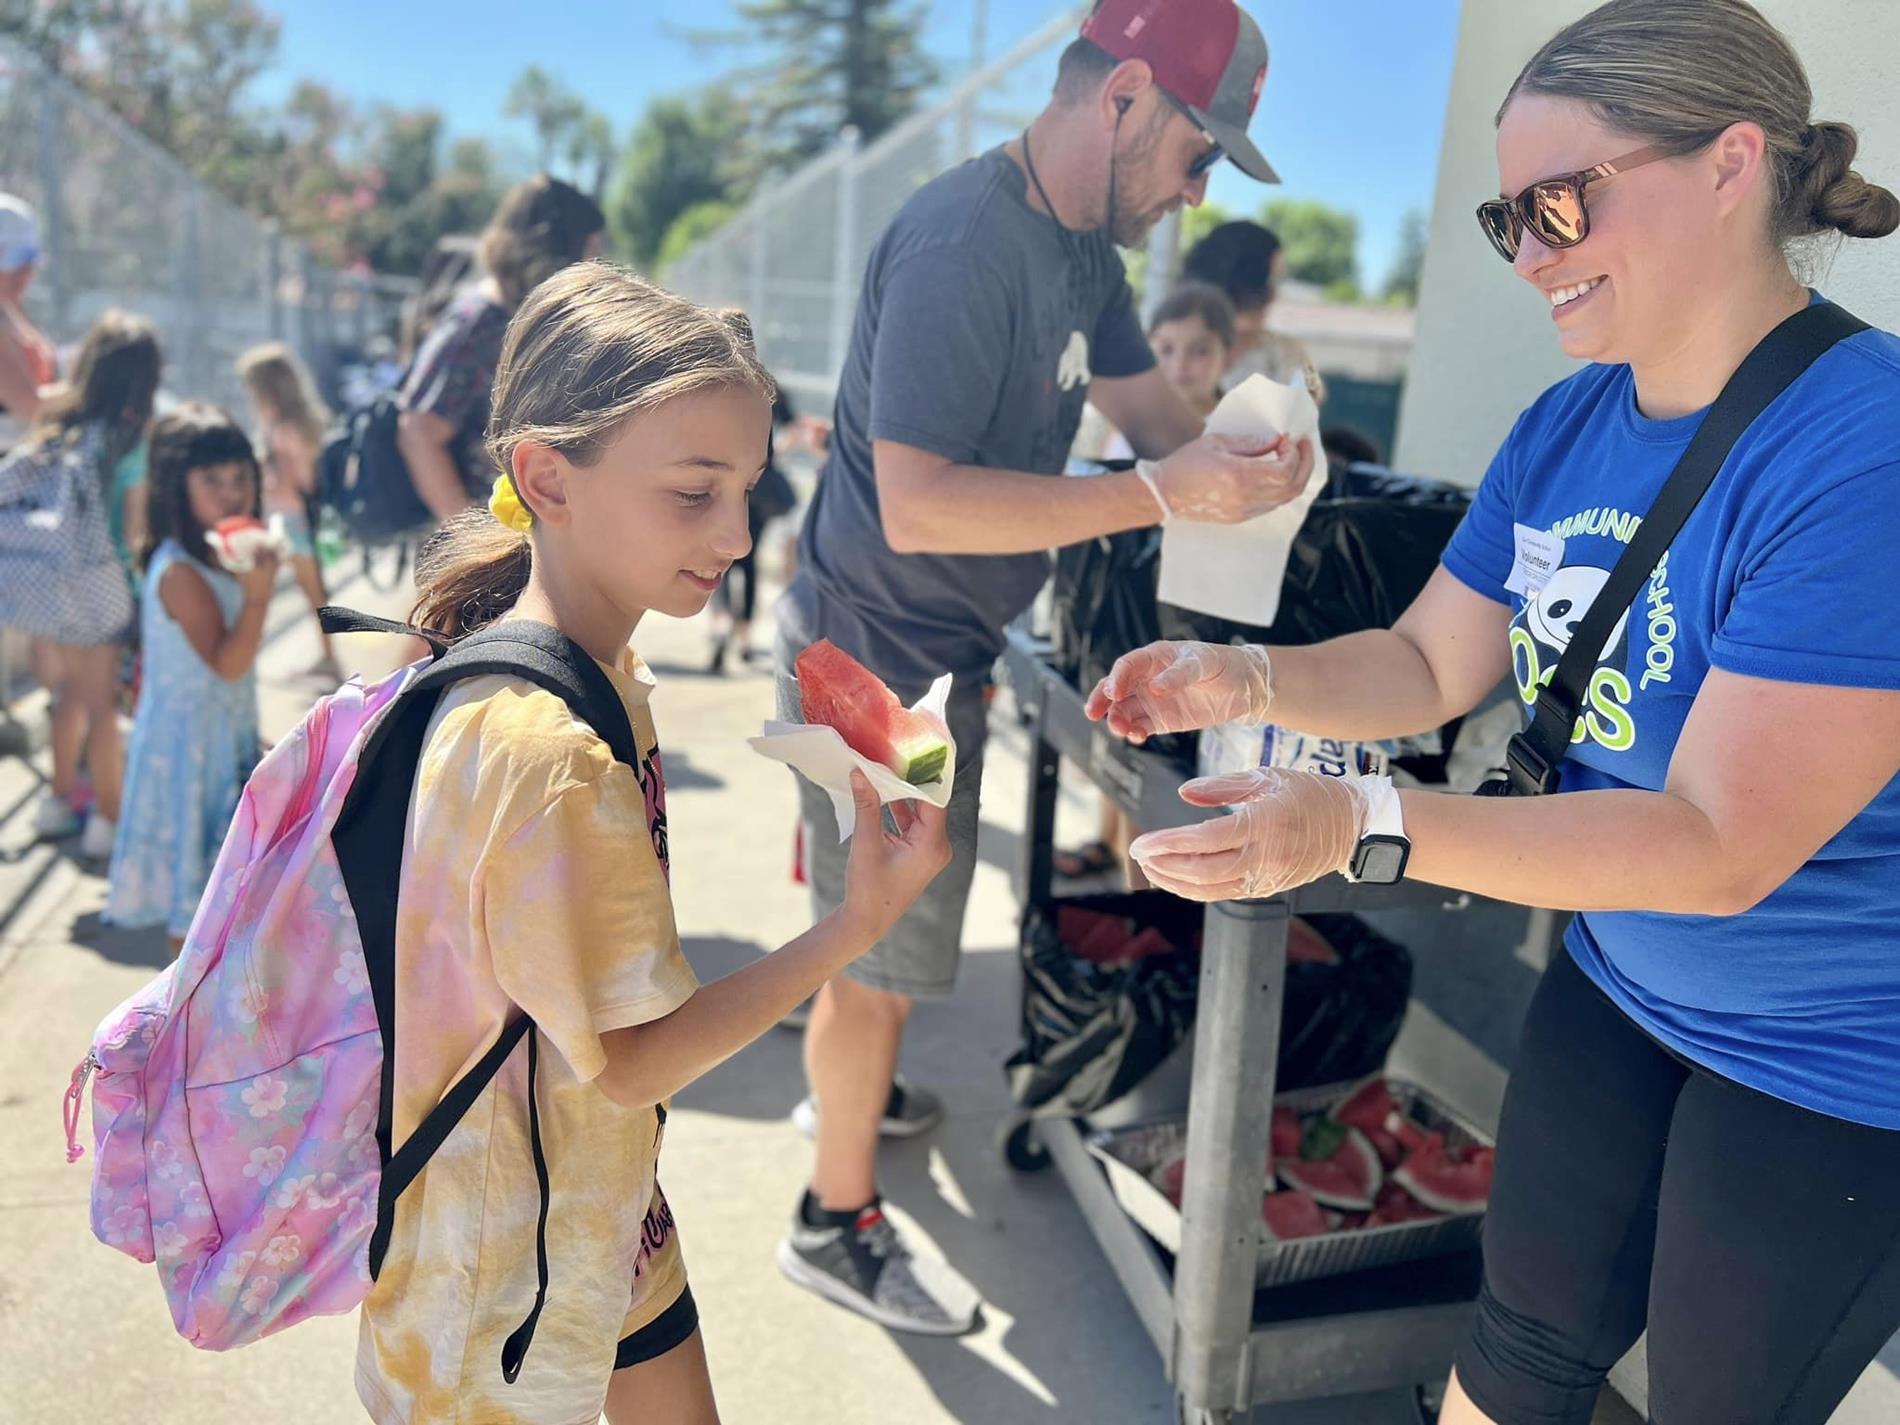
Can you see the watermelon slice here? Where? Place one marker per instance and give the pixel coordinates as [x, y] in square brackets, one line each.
[1290, 1214]
[1447, 1179]
[1286, 1134]
[1396, 1205]
[840, 692]
[1171, 1178]
[1368, 1108]
[1335, 1166]
[239, 539]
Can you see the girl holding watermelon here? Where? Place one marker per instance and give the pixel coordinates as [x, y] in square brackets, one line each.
[1701, 1137]
[628, 427]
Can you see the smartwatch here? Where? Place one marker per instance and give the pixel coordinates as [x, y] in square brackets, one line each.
[1381, 855]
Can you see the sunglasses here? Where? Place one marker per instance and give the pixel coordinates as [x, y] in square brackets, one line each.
[1204, 162]
[1553, 209]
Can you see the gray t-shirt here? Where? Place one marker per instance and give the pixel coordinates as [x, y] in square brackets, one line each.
[978, 328]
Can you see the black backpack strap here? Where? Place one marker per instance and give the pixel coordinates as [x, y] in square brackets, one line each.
[368, 841]
[333, 618]
[1775, 364]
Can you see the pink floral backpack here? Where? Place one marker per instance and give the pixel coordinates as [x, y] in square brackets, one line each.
[241, 1100]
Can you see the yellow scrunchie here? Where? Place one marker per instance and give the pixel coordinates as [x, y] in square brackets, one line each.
[505, 505]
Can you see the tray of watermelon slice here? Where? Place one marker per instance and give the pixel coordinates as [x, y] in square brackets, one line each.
[1364, 1175]
[852, 721]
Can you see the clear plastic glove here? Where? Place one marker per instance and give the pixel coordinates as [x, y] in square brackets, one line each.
[1287, 828]
[1175, 687]
[1228, 479]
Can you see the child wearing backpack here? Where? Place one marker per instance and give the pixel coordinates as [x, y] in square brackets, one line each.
[291, 420]
[195, 735]
[629, 426]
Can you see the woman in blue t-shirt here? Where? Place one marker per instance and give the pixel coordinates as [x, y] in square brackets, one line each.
[1702, 1130]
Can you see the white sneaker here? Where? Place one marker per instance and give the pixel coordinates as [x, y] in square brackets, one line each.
[96, 844]
[54, 819]
[909, 1112]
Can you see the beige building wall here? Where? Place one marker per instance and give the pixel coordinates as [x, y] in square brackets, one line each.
[1485, 345]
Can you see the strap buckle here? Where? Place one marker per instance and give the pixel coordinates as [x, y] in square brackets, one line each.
[1530, 772]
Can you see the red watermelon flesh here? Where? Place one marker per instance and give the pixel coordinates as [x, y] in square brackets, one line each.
[1171, 1177]
[1286, 1134]
[1336, 1166]
[1290, 1214]
[1368, 1109]
[1448, 1179]
[1395, 1204]
[840, 692]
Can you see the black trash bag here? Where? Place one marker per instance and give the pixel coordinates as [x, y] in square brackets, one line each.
[1103, 605]
[1092, 1032]
[1365, 551]
[1339, 1020]
[1367, 548]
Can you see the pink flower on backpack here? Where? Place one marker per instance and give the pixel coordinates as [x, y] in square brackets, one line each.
[265, 1165]
[353, 973]
[266, 1097]
[168, 1241]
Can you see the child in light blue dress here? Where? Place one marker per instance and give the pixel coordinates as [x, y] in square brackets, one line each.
[195, 736]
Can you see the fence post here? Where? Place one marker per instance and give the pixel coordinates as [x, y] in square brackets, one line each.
[755, 285]
[52, 208]
[844, 297]
[195, 373]
[273, 279]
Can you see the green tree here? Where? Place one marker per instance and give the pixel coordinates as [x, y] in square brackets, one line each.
[816, 67]
[549, 107]
[680, 155]
[697, 222]
[591, 151]
[1321, 244]
[1401, 287]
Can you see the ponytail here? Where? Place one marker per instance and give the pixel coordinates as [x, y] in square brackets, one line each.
[468, 574]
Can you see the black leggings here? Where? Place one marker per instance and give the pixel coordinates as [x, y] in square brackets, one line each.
[1757, 1241]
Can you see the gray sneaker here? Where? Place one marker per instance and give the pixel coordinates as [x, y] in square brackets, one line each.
[909, 1112]
[865, 1267]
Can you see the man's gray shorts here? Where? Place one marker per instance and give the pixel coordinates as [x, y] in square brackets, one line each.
[919, 956]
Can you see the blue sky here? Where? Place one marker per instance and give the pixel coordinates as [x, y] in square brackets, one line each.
[1352, 114]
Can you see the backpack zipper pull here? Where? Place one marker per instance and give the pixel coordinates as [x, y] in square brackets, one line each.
[75, 1098]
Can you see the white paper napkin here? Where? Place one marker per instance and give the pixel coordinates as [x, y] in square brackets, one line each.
[1234, 571]
[824, 757]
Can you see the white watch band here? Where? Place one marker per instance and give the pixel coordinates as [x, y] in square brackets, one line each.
[1383, 814]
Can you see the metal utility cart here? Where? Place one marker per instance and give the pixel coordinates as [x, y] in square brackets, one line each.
[1225, 1345]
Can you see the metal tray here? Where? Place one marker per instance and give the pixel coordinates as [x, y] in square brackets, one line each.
[1131, 1155]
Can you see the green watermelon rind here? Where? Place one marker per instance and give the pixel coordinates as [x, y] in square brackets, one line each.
[922, 760]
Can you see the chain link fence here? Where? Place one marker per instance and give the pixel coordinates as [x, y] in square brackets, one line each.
[125, 224]
[795, 255]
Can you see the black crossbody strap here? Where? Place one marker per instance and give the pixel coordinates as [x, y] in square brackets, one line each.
[1775, 364]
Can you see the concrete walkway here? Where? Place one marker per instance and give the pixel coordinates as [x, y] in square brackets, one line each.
[87, 1337]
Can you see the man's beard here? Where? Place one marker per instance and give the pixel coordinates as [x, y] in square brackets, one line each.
[1129, 225]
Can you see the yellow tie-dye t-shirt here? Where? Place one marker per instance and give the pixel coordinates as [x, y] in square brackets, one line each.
[534, 880]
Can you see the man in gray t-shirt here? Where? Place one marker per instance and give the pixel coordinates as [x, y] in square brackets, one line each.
[993, 307]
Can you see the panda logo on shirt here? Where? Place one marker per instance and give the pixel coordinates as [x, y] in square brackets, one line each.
[1557, 611]
[1545, 628]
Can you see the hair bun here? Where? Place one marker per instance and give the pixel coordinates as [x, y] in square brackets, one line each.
[1837, 198]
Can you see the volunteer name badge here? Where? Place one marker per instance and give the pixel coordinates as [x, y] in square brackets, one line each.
[1540, 554]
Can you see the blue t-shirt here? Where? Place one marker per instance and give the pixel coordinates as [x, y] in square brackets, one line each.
[1789, 569]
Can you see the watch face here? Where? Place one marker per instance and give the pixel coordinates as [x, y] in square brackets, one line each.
[1381, 860]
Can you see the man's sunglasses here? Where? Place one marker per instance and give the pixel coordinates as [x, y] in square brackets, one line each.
[1553, 209]
[1204, 162]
